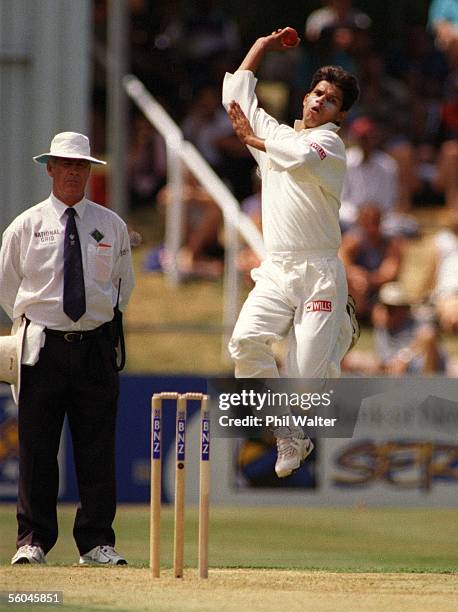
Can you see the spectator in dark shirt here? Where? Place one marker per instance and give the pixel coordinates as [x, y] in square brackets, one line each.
[370, 259]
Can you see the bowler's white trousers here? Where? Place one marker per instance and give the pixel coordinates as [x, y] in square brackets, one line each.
[302, 295]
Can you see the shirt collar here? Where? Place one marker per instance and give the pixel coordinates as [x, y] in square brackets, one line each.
[299, 125]
[60, 208]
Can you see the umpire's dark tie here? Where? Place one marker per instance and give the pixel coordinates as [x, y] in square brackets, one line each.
[74, 295]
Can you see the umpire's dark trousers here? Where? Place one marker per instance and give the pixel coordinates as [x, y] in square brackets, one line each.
[74, 376]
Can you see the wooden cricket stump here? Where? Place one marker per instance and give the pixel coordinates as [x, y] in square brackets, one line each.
[181, 402]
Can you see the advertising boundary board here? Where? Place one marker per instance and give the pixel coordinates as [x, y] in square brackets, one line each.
[376, 467]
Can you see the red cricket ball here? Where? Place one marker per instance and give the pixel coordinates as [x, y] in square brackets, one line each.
[290, 38]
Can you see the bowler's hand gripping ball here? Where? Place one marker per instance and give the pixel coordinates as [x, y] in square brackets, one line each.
[290, 38]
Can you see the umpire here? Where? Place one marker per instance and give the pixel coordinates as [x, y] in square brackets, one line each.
[65, 264]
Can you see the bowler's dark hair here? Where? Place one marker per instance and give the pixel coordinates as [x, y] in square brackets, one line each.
[342, 79]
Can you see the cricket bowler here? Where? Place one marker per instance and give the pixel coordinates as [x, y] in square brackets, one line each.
[300, 289]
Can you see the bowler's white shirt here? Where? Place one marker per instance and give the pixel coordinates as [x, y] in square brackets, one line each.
[32, 263]
[302, 174]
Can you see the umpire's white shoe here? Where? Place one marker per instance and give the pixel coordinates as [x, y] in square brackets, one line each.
[28, 554]
[102, 555]
[291, 452]
[356, 330]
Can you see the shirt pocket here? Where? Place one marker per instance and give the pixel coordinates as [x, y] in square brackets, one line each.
[100, 262]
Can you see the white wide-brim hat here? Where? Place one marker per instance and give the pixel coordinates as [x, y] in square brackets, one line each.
[11, 348]
[70, 145]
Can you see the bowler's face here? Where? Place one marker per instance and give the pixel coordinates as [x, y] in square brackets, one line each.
[323, 104]
[69, 178]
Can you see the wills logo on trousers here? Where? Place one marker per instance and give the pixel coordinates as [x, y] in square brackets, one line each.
[318, 305]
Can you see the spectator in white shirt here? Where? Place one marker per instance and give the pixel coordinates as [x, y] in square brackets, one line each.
[372, 176]
[444, 279]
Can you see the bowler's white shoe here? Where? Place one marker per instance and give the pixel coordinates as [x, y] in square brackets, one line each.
[28, 554]
[102, 555]
[291, 452]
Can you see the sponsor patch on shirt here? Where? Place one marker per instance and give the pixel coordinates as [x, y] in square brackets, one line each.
[318, 305]
[319, 149]
[47, 235]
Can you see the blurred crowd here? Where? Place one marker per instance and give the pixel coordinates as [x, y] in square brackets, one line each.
[402, 146]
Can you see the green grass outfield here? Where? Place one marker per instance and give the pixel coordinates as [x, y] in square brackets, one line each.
[261, 559]
[354, 540]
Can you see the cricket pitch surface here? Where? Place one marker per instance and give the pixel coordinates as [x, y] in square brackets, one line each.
[89, 588]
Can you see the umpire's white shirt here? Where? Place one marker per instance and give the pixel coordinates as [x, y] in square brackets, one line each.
[302, 175]
[32, 264]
